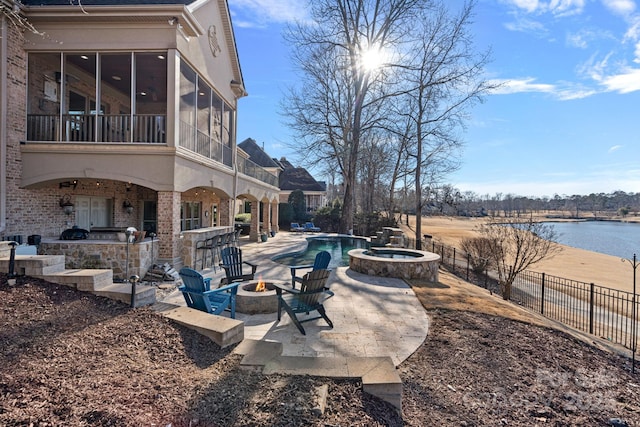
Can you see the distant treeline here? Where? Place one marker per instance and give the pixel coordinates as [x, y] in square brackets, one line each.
[594, 205]
[447, 200]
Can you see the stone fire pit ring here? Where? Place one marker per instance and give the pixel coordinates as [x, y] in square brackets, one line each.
[251, 302]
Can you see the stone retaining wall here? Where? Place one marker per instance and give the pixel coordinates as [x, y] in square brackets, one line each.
[104, 254]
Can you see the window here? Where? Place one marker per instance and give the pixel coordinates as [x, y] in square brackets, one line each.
[88, 97]
[190, 216]
[150, 216]
[206, 121]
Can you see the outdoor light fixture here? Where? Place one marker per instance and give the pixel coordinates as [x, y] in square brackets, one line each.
[66, 205]
[127, 206]
[68, 184]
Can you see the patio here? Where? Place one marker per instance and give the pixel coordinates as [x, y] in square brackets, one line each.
[372, 316]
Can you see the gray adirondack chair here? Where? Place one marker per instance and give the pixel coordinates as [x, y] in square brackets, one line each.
[310, 297]
[321, 262]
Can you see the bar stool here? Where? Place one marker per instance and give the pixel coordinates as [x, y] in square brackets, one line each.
[217, 248]
[211, 244]
[201, 254]
[227, 240]
[236, 237]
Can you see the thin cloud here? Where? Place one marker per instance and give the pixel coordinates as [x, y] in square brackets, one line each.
[563, 92]
[523, 25]
[620, 7]
[555, 7]
[260, 13]
[625, 82]
[510, 86]
[583, 38]
[614, 148]
[623, 79]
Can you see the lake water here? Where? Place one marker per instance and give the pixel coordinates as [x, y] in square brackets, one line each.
[607, 237]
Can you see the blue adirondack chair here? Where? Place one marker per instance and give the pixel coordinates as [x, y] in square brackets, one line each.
[310, 297]
[233, 266]
[321, 262]
[198, 294]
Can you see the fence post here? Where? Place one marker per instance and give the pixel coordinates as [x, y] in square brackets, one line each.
[542, 296]
[591, 307]
[468, 262]
[454, 261]
[486, 277]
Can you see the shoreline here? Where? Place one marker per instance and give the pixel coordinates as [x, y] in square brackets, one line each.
[571, 263]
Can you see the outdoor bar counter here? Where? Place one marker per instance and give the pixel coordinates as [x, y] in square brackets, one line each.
[191, 238]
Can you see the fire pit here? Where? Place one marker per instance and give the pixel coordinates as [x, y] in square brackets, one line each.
[252, 301]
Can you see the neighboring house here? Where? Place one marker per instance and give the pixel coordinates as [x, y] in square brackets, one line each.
[123, 113]
[293, 178]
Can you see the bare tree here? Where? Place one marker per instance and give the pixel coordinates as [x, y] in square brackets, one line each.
[339, 100]
[443, 80]
[515, 246]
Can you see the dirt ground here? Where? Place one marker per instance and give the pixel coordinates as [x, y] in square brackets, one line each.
[70, 358]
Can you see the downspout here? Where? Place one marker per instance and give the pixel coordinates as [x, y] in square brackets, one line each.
[3, 123]
[234, 157]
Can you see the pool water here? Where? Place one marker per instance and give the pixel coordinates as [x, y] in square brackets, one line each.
[391, 254]
[337, 246]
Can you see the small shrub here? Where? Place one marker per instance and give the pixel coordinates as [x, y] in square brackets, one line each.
[368, 223]
[328, 217]
[480, 251]
[245, 217]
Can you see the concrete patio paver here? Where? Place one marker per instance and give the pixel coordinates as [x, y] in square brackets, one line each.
[372, 316]
[378, 323]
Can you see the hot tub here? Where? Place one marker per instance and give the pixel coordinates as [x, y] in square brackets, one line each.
[397, 262]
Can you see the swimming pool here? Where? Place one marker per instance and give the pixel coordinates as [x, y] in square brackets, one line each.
[337, 246]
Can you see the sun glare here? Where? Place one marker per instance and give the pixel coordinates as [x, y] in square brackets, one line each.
[372, 59]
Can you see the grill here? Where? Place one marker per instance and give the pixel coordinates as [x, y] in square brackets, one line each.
[74, 234]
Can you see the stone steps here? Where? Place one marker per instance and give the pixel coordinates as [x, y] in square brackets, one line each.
[145, 295]
[379, 375]
[222, 330]
[97, 281]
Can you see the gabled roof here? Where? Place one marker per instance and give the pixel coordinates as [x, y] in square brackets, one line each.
[257, 154]
[292, 178]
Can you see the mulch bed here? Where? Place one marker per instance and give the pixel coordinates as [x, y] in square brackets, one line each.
[71, 358]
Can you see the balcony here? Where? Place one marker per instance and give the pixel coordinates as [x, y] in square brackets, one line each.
[113, 128]
[251, 169]
[197, 141]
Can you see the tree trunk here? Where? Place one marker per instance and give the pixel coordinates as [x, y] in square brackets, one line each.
[419, 188]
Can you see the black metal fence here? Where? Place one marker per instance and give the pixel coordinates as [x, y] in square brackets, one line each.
[604, 312]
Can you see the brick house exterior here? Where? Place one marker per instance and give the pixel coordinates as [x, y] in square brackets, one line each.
[127, 110]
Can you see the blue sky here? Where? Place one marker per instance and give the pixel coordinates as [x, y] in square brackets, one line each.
[566, 120]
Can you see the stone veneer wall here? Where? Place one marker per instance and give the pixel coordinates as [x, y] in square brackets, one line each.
[104, 254]
[424, 267]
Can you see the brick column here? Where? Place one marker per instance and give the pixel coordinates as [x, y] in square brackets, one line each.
[169, 227]
[275, 216]
[266, 216]
[254, 234]
[226, 212]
